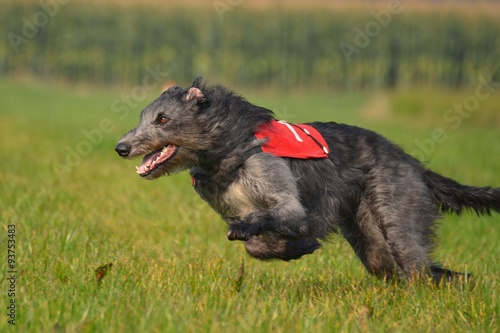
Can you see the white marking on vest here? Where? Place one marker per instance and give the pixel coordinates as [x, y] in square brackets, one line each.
[297, 137]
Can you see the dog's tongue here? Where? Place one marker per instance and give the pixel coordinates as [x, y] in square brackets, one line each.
[147, 163]
[155, 158]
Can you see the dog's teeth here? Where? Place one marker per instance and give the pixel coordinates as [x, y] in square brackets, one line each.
[164, 150]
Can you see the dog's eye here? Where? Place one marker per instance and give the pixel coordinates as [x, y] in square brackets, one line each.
[162, 119]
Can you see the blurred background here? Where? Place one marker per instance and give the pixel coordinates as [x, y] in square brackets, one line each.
[326, 44]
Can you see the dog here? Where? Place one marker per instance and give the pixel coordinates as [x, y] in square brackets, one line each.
[382, 200]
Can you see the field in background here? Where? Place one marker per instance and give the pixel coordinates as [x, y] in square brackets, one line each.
[345, 48]
[174, 271]
[484, 6]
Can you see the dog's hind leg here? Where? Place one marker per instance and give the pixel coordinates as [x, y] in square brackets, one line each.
[440, 274]
[398, 216]
[369, 242]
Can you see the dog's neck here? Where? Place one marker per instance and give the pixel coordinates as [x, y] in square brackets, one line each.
[223, 169]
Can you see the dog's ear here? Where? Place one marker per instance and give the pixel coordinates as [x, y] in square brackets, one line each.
[198, 83]
[195, 94]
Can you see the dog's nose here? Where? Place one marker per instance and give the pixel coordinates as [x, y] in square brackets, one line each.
[123, 149]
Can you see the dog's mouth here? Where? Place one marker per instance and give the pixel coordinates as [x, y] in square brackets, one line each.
[153, 160]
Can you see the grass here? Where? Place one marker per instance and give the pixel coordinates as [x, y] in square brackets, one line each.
[174, 271]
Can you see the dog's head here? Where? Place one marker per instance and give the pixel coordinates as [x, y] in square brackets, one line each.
[169, 132]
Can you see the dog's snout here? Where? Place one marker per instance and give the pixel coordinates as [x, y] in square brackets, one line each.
[123, 149]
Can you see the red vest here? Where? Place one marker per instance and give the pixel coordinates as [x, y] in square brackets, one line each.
[291, 140]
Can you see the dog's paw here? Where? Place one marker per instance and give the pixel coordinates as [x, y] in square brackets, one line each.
[243, 231]
[269, 247]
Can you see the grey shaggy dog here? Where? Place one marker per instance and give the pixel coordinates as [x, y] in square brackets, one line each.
[382, 200]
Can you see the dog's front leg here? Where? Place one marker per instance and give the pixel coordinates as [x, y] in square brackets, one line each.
[288, 221]
[244, 229]
[266, 198]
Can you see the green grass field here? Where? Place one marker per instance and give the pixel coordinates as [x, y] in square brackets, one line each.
[173, 269]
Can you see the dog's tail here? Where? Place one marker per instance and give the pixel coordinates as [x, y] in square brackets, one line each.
[455, 198]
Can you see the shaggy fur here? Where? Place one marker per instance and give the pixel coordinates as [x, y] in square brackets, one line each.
[383, 201]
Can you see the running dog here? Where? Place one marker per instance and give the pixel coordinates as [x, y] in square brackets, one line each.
[382, 200]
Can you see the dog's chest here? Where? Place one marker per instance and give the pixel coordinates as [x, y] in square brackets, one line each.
[237, 201]
[233, 201]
